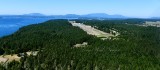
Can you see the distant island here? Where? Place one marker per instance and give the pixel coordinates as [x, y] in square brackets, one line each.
[92, 15]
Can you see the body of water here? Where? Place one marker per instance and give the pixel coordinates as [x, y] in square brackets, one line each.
[9, 25]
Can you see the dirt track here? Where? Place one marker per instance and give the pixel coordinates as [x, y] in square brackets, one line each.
[90, 30]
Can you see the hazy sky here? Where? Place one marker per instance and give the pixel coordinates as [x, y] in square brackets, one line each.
[134, 8]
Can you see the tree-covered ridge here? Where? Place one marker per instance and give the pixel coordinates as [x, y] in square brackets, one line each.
[137, 48]
[38, 35]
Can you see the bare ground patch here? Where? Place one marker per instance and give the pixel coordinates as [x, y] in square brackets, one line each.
[8, 58]
[91, 30]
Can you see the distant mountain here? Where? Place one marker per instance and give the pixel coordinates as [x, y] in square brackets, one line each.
[88, 16]
[34, 14]
[72, 15]
[93, 15]
[103, 15]
[97, 15]
[155, 18]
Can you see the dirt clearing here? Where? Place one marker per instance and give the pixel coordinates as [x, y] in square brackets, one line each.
[91, 30]
[8, 58]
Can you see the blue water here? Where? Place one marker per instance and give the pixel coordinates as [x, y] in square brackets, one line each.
[10, 25]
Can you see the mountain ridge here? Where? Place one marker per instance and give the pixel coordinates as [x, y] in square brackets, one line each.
[85, 16]
[91, 15]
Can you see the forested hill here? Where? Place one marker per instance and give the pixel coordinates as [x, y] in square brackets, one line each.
[37, 36]
[137, 47]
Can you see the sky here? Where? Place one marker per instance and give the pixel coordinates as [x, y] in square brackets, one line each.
[130, 8]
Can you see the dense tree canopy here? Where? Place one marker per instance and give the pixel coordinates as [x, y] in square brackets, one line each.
[137, 47]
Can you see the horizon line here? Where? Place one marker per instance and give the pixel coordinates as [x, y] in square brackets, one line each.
[77, 14]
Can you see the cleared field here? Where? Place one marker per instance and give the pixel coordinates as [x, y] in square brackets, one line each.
[149, 23]
[8, 58]
[91, 30]
[84, 44]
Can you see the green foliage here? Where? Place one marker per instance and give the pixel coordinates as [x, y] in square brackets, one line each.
[137, 48]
